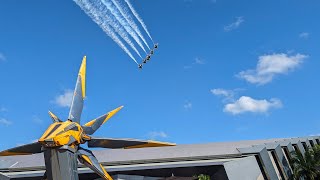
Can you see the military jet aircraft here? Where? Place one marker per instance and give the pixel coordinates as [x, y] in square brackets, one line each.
[156, 46]
[145, 61]
[140, 66]
[70, 134]
[148, 57]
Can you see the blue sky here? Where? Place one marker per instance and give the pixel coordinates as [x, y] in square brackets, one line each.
[225, 70]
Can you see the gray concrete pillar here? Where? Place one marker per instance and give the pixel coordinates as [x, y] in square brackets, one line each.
[61, 164]
[238, 169]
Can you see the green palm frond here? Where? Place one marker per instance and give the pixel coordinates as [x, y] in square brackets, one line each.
[306, 166]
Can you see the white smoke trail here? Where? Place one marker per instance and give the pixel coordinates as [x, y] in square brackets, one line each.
[123, 22]
[107, 16]
[135, 13]
[127, 16]
[96, 17]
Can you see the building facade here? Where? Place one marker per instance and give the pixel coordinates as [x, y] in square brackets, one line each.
[244, 160]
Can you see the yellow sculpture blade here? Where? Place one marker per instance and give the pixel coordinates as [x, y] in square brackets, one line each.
[54, 117]
[79, 94]
[108, 116]
[87, 158]
[82, 74]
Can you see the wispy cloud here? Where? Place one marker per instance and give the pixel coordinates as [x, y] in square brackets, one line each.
[247, 104]
[304, 35]
[5, 122]
[187, 105]
[234, 25]
[271, 65]
[227, 94]
[157, 134]
[65, 99]
[3, 109]
[196, 61]
[37, 120]
[187, 67]
[242, 129]
[2, 57]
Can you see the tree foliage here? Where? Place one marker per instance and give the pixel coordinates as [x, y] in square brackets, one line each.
[306, 166]
[203, 177]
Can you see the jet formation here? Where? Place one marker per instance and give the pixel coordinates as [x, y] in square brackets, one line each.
[148, 57]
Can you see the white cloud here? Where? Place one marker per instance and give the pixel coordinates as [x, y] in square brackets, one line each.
[5, 122]
[304, 35]
[187, 105]
[157, 134]
[223, 92]
[65, 99]
[234, 25]
[247, 104]
[2, 57]
[228, 95]
[271, 65]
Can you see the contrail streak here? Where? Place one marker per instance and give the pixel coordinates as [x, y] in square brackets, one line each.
[96, 17]
[123, 22]
[116, 26]
[135, 13]
[124, 12]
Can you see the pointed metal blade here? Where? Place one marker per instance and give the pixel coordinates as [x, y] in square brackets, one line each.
[92, 126]
[54, 117]
[87, 158]
[27, 149]
[79, 94]
[125, 143]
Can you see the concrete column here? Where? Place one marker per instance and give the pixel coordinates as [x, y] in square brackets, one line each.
[266, 163]
[300, 146]
[313, 140]
[238, 169]
[308, 143]
[284, 164]
[61, 164]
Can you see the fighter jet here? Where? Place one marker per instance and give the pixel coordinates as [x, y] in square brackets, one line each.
[140, 66]
[145, 61]
[148, 57]
[156, 46]
[152, 52]
[70, 135]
